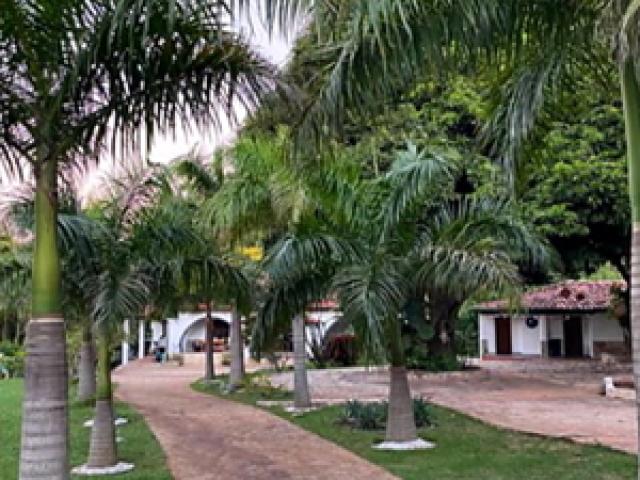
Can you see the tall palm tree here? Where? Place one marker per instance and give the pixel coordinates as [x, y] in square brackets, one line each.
[76, 75]
[212, 277]
[265, 198]
[143, 233]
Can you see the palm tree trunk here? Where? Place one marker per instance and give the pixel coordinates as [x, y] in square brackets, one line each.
[102, 446]
[631, 101]
[401, 424]
[209, 368]
[237, 357]
[87, 367]
[4, 333]
[44, 442]
[302, 398]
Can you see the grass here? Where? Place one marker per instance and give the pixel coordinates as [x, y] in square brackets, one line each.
[139, 446]
[254, 388]
[467, 449]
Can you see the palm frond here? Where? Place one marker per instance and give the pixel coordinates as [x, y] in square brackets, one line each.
[371, 295]
[413, 177]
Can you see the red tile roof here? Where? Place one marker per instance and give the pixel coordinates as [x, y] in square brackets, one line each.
[326, 304]
[566, 296]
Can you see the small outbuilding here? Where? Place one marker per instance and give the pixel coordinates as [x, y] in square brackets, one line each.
[570, 319]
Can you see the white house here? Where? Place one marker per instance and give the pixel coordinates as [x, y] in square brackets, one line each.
[186, 332]
[569, 319]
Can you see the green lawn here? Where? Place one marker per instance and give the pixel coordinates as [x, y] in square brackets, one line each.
[467, 449]
[139, 445]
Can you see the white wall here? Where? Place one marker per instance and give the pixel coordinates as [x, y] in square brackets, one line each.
[606, 328]
[525, 340]
[156, 331]
[487, 333]
[186, 327]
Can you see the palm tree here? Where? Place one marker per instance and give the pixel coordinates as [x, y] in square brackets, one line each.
[211, 277]
[76, 74]
[143, 234]
[420, 242]
[265, 198]
[214, 278]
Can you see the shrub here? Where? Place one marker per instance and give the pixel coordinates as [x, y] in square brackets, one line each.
[13, 365]
[422, 413]
[365, 416]
[260, 385]
[9, 349]
[373, 416]
[446, 362]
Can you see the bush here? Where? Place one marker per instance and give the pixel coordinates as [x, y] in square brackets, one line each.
[446, 362]
[261, 386]
[373, 416]
[12, 365]
[9, 349]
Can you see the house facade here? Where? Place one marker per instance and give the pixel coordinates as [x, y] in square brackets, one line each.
[571, 319]
[186, 332]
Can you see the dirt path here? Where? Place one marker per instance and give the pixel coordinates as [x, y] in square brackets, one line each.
[206, 437]
[527, 402]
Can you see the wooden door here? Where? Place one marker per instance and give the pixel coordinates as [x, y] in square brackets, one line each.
[503, 335]
[573, 337]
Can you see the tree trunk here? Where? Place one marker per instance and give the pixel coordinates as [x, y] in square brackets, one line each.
[631, 102]
[87, 367]
[4, 334]
[102, 445]
[209, 368]
[237, 355]
[443, 314]
[302, 399]
[401, 425]
[44, 442]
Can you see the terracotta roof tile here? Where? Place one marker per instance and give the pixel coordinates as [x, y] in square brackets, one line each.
[571, 295]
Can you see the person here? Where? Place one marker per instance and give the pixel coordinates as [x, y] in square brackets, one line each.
[161, 349]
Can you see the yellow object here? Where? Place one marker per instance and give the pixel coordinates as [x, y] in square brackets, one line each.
[255, 253]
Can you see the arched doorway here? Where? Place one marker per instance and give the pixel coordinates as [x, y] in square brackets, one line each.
[193, 339]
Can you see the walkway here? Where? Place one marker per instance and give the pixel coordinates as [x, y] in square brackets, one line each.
[206, 437]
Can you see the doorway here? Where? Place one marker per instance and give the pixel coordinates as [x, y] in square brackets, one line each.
[573, 337]
[503, 335]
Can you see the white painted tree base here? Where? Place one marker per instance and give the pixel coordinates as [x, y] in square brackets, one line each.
[117, 422]
[299, 410]
[86, 470]
[417, 444]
